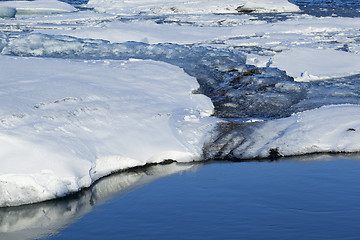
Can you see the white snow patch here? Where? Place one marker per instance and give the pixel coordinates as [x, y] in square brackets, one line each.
[64, 124]
[307, 64]
[269, 6]
[190, 7]
[333, 128]
[36, 7]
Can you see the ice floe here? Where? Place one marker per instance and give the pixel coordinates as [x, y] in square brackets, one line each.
[35, 7]
[307, 64]
[66, 123]
[269, 6]
[332, 128]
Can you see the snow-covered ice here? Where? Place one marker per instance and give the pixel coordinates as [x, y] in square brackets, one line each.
[331, 128]
[260, 6]
[306, 64]
[114, 85]
[37, 7]
[67, 123]
[197, 6]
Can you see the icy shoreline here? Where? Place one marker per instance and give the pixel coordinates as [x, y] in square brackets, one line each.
[88, 93]
[67, 129]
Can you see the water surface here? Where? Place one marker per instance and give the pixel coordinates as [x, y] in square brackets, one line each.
[313, 197]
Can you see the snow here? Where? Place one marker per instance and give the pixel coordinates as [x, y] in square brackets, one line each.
[190, 7]
[261, 6]
[62, 130]
[306, 64]
[88, 106]
[36, 7]
[326, 129]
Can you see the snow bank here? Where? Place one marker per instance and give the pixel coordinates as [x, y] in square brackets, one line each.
[65, 124]
[306, 64]
[37, 7]
[333, 128]
[196, 6]
[268, 6]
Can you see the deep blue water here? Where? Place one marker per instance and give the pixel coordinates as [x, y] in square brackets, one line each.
[323, 8]
[291, 199]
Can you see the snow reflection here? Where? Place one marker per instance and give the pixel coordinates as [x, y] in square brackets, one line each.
[48, 218]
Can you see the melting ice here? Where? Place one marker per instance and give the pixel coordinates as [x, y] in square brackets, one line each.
[112, 85]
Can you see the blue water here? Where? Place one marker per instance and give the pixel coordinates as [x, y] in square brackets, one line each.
[291, 199]
[324, 8]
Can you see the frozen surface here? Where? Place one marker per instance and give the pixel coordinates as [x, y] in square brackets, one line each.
[106, 80]
[62, 130]
[36, 7]
[269, 6]
[197, 6]
[306, 64]
[332, 128]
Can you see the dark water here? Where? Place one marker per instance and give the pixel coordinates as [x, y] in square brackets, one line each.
[324, 8]
[314, 197]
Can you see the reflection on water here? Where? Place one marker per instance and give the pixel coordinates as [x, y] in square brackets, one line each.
[48, 218]
[306, 197]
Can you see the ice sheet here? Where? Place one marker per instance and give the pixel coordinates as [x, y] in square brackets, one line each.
[67, 123]
[197, 6]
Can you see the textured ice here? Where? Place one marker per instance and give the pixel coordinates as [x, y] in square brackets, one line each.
[7, 12]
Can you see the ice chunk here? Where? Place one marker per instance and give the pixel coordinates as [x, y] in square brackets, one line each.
[268, 6]
[307, 64]
[37, 7]
[64, 124]
[333, 128]
[7, 12]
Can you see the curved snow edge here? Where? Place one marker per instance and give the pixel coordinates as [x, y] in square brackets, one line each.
[25, 189]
